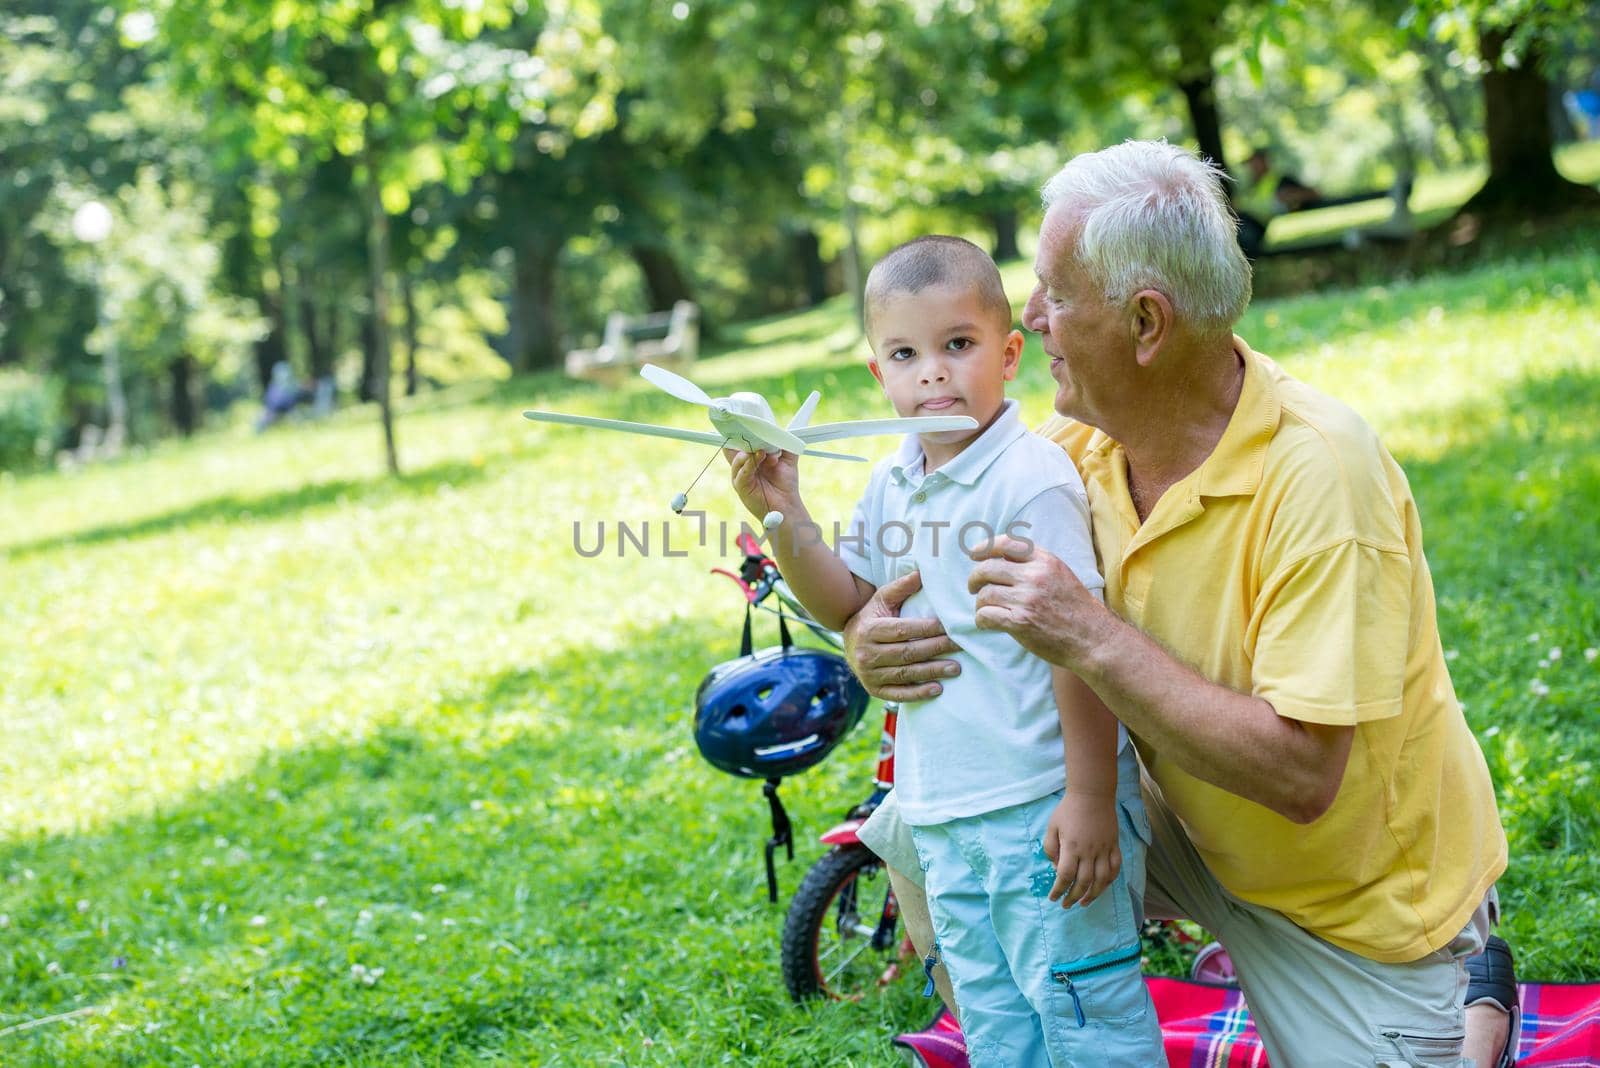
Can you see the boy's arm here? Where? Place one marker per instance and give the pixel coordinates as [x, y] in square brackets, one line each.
[828, 589]
[1082, 834]
[831, 592]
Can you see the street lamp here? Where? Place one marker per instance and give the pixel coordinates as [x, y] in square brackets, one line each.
[91, 224]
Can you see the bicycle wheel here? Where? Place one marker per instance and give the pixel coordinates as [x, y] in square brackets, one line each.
[841, 938]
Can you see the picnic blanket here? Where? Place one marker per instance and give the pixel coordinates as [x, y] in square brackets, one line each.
[1208, 1026]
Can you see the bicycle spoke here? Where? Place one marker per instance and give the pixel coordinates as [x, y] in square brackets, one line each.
[831, 976]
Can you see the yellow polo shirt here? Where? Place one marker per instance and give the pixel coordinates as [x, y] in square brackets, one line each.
[1289, 566]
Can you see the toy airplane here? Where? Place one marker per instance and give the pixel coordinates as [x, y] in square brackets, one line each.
[745, 421]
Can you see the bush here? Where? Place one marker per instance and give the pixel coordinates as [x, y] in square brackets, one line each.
[29, 408]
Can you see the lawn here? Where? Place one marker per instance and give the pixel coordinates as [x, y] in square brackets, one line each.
[305, 765]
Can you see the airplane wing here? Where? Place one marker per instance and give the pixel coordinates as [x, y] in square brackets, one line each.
[861, 428]
[704, 437]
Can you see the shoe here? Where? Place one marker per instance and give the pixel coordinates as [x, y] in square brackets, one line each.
[1492, 978]
[939, 1045]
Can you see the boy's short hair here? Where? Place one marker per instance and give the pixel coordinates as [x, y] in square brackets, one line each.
[937, 259]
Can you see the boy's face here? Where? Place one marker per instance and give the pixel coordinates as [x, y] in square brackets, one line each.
[939, 351]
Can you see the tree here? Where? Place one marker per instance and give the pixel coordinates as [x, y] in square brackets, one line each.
[1513, 38]
[404, 90]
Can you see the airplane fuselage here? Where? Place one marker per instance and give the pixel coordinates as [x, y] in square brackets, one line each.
[751, 405]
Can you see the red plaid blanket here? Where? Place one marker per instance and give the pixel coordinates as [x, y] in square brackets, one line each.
[1209, 1027]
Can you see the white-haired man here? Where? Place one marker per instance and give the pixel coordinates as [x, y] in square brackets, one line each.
[1268, 635]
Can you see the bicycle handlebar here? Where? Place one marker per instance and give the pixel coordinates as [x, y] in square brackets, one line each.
[758, 579]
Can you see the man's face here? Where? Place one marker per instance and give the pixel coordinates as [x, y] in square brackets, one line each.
[939, 351]
[1088, 341]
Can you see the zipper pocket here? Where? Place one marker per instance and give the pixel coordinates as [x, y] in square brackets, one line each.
[1413, 1047]
[928, 964]
[1100, 962]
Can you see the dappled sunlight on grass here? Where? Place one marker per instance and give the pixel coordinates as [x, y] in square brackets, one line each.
[277, 722]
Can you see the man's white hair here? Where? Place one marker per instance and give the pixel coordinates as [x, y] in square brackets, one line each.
[1154, 216]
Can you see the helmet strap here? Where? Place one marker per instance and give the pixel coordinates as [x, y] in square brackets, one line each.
[747, 643]
[783, 629]
[781, 836]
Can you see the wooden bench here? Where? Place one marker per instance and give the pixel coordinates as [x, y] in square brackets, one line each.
[630, 340]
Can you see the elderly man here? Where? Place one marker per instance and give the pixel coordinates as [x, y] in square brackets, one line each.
[1268, 636]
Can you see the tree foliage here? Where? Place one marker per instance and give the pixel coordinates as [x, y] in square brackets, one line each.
[300, 181]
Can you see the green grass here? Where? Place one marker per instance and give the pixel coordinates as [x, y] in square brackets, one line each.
[275, 722]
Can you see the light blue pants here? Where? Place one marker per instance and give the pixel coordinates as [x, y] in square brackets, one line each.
[1040, 985]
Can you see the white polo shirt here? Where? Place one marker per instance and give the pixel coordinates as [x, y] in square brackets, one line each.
[993, 737]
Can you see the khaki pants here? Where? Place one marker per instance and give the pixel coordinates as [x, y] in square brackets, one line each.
[1315, 1005]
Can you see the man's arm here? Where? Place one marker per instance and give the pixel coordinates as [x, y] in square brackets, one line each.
[1234, 741]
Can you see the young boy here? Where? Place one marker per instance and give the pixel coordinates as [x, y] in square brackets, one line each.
[1002, 824]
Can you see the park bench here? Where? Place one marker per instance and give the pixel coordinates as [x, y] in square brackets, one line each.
[631, 340]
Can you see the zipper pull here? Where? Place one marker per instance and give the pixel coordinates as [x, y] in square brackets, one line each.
[928, 963]
[1077, 1005]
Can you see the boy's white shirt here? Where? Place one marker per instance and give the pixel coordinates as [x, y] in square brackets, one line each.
[992, 738]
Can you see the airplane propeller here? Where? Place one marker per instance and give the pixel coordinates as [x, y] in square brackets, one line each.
[675, 384]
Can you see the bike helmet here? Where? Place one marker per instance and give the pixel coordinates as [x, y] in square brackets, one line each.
[776, 711]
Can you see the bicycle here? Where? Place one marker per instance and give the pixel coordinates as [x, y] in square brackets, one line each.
[841, 932]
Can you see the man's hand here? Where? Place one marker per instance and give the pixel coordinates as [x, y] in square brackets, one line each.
[1081, 839]
[898, 659]
[1035, 598]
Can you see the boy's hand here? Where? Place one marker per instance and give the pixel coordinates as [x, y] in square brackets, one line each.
[1081, 839]
[766, 481]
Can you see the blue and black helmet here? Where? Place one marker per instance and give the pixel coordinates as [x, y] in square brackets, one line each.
[776, 711]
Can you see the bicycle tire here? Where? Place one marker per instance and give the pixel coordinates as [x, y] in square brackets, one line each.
[827, 934]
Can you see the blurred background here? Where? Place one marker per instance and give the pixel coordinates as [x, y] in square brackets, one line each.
[393, 195]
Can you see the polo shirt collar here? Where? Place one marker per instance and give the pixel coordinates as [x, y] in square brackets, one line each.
[973, 460]
[1234, 466]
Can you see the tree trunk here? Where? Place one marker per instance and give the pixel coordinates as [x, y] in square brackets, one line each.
[1200, 93]
[1523, 179]
[408, 299]
[378, 264]
[1004, 222]
[664, 284]
[271, 349]
[116, 391]
[535, 323]
[318, 330]
[185, 413]
[366, 391]
[813, 272]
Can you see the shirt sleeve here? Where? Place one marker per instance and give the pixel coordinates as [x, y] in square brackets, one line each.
[1330, 635]
[1057, 521]
[855, 541]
